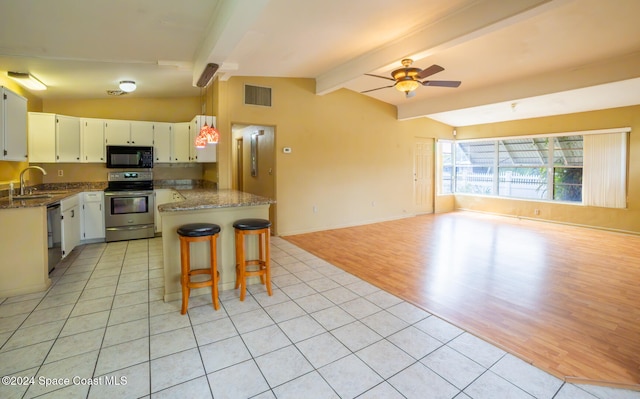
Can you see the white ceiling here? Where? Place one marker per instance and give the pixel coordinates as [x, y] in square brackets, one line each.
[545, 56]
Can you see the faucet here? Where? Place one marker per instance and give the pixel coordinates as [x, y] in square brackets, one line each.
[44, 172]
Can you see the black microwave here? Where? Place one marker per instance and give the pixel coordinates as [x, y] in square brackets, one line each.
[125, 156]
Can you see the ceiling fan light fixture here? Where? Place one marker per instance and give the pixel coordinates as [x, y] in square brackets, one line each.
[127, 86]
[407, 84]
[27, 80]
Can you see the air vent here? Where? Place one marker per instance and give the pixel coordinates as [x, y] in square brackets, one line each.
[256, 95]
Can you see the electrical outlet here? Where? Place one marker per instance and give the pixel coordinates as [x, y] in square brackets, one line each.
[315, 209]
[536, 212]
[60, 172]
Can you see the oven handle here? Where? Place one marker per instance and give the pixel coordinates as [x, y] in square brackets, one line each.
[127, 193]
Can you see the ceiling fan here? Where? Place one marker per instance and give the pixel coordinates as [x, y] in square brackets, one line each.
[408, 79]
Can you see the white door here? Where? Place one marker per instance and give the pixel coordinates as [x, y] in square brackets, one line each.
[423, 175]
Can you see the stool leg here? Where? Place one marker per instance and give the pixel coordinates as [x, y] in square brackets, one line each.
[214, 272]
[261, 256]
[184, 274]
[242, 266]
[267, 261]
[237, 245]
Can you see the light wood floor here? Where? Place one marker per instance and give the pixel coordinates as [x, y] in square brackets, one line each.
[565, 298]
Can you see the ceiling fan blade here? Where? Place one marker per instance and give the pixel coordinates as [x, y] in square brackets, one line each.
[381, 77]
[383, 87]
[442, 83]
[433, 69]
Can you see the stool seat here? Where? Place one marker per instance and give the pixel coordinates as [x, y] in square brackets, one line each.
[198, 229]
[251, 224]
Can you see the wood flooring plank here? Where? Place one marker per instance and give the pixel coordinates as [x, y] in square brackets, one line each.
[565, 298]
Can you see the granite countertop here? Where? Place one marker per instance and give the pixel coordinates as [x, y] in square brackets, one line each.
[197, 199]
[55, 196]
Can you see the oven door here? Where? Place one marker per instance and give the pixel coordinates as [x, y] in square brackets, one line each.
[128, 208]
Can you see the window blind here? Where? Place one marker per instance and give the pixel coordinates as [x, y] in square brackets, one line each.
[605, 170]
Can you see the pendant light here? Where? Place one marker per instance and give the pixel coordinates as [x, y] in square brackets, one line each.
[208, 134]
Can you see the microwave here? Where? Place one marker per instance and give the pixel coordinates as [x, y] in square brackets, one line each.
[125, 156]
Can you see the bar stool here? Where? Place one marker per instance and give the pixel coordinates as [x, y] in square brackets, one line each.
[198, 232]
[244, 267]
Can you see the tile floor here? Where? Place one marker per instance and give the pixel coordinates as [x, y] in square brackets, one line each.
[323, 334]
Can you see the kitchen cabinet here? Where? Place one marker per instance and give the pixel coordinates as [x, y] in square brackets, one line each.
[118, 132]
[207, 154]
[93, 148]
[13, 126]
[162, 142]
[67, 139]
[142, 133]
[53, 138]
[92, 216]
[180, 140]
[70, 224]
[164, 196]
[42, 137]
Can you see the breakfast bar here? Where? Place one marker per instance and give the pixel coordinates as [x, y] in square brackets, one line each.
[221, 207]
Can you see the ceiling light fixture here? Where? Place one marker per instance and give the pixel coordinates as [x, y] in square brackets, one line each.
[27, 80]
[127, 85]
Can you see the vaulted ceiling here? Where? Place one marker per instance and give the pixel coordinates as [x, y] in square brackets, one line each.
[516, 59]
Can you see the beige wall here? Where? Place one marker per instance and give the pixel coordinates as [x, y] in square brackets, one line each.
[627, 220]
[180, 109]
[348, 152]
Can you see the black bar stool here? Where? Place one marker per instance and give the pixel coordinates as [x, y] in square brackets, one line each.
[246, 268]
[198, 232]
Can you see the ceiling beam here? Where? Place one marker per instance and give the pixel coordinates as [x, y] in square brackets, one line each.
[230, 22]
[602, 72]
[471, 22]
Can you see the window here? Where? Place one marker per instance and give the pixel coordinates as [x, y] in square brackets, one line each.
[539, 167]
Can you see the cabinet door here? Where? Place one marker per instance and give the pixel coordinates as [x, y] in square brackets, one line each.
[93, 148]
[13, 126]
[67, 139]
[42, 137]
[162, 142]
[92, 217]
[117, 132]
[70, 227]
[141, 133]
[180, 143]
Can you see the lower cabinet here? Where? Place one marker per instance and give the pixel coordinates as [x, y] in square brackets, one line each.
[70, 224]
[92, 216]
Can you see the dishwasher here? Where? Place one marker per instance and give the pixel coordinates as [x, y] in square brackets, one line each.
[54, 235]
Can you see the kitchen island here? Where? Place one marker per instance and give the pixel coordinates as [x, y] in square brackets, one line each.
[222, 207]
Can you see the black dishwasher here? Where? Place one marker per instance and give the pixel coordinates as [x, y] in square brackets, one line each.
[54, 235]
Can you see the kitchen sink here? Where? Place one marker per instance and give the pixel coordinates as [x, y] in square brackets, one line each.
[31, 196]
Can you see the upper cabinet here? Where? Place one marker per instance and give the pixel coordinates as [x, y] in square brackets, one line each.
[67, 139]
[119, 132]
[142, 133]
[162, 142]
[13, 126]
[54, 138]
[93, 149]
[59, 138]
[42, 137]
[180, 142]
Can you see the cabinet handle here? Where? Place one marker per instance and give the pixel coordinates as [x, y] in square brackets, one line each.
[73, 213]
